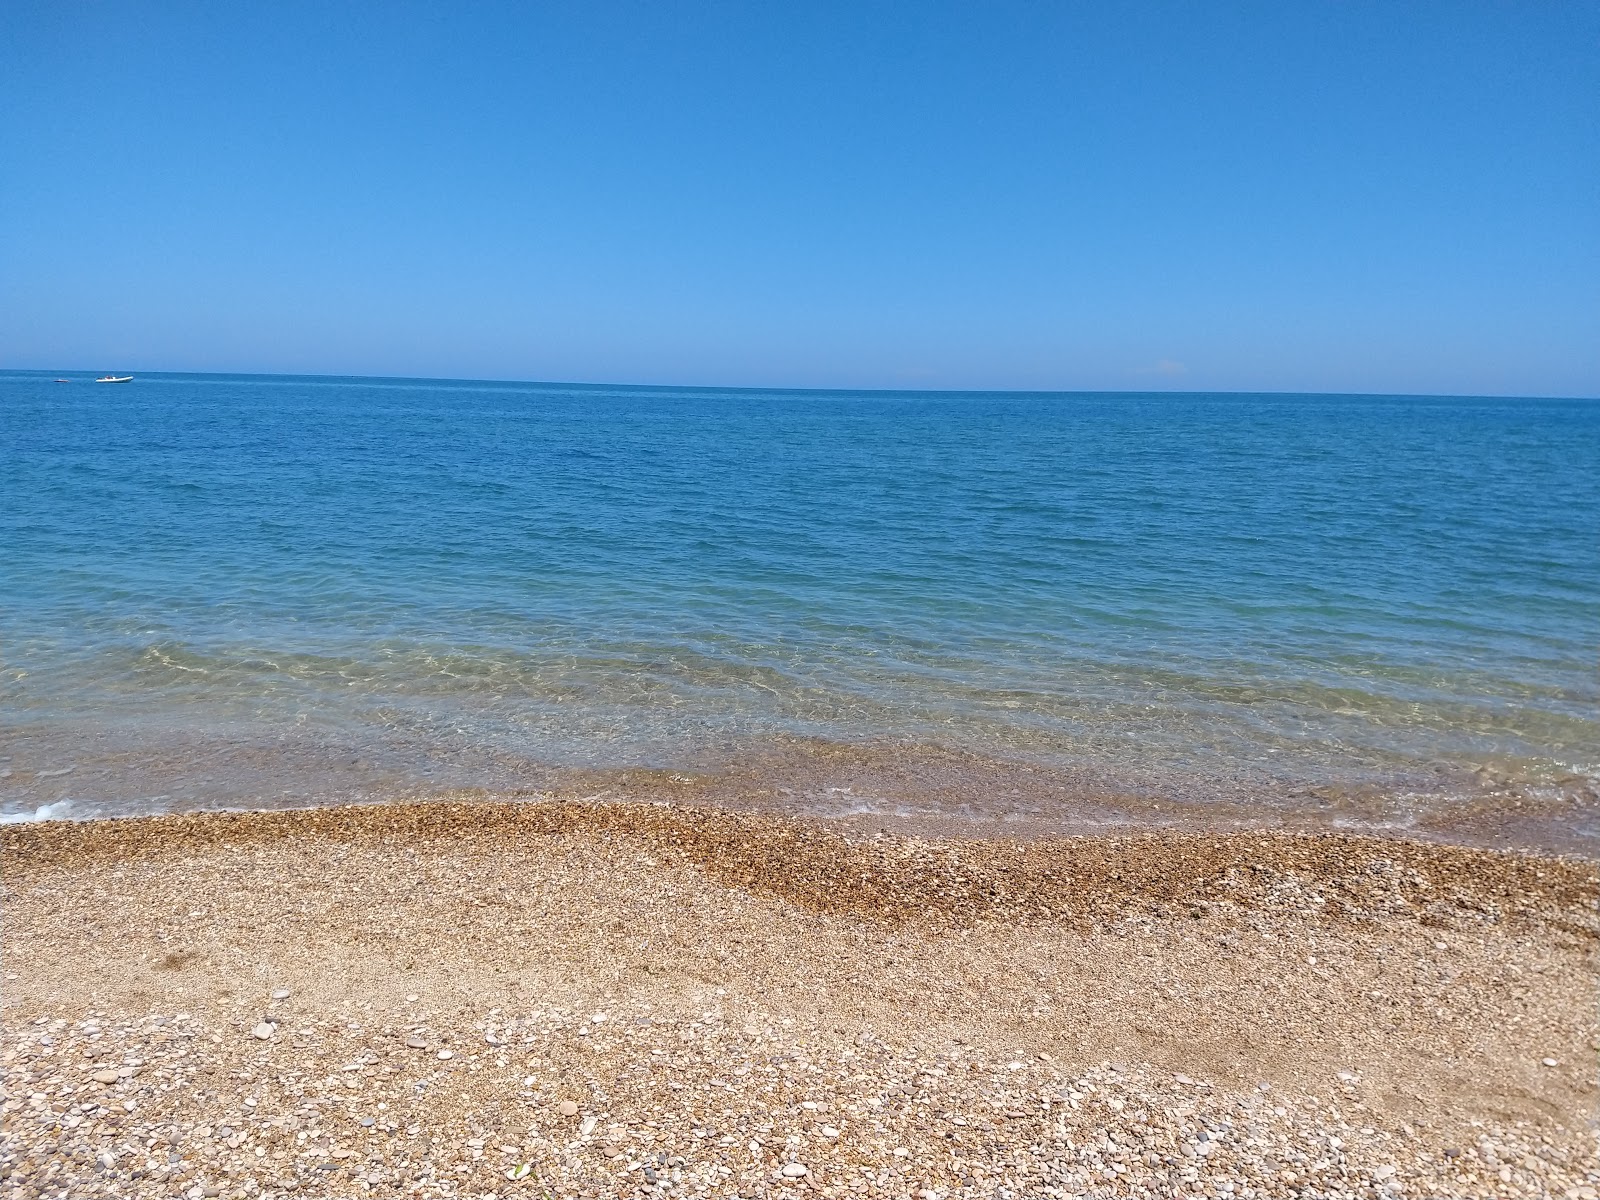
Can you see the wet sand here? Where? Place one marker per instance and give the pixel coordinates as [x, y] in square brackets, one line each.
[915, 787]
[610, 999]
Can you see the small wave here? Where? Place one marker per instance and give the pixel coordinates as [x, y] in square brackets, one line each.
[60, 810]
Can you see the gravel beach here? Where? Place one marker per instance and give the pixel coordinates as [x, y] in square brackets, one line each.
[567, 999]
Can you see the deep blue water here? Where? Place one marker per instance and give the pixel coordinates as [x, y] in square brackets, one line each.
[244, 589]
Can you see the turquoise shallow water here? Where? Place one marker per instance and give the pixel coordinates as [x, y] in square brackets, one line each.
[264, 590]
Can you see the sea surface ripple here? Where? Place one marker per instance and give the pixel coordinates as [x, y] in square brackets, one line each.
[233, 590]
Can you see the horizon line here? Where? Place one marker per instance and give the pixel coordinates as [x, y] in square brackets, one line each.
[791, 388]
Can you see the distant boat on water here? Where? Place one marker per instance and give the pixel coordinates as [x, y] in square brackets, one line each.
[63, 381]
[110, 379]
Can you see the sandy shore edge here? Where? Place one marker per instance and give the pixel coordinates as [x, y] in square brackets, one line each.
[898, 879]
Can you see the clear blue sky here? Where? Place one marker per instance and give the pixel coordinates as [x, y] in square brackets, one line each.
[1280, 196]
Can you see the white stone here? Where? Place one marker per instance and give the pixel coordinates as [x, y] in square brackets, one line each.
[265, 1030]
[794, 1171]
[281, 994]
[447, 1054]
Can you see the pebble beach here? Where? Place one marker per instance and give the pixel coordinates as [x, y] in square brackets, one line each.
[565, 999]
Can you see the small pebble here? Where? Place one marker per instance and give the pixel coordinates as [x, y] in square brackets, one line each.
[265, 1030]
[569, 1108]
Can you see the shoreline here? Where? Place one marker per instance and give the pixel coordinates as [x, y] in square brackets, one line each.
[1336, 1014]
[919, 789]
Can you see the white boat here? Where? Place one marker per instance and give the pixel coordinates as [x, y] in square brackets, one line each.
[114, 379]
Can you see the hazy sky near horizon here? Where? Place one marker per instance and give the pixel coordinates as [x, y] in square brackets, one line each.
[1256, 196]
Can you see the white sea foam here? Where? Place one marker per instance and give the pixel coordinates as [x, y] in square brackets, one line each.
[61, 810]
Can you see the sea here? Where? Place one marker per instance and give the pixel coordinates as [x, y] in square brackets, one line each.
[1032, 612]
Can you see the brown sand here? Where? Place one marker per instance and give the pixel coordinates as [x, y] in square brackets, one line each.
[1162, 1014]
